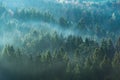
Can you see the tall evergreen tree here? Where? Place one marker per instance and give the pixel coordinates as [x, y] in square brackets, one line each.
[118, 45]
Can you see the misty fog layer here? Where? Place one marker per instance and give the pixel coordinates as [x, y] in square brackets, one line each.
[80, 18]
[59, 40]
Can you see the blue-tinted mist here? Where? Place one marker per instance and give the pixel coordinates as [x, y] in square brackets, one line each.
[15, 21]
[36, 26]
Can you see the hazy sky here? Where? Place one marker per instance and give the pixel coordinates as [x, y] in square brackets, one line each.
[23, 3]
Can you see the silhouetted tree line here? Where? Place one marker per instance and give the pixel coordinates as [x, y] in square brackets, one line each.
[45, 55]
[72, 59]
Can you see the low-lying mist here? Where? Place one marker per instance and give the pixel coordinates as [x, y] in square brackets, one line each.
[15, 23]
[79, 39]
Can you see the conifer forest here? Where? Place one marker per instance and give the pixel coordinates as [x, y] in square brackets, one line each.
[59, 39]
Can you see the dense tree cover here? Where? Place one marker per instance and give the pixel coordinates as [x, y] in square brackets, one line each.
[33, 14]
[54, 57]
[82, 20]
[66, 42]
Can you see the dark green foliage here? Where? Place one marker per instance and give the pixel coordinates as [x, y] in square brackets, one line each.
[8, 51]
[63, 22]
[116, 61]
[69, 58]
[52, 47]
[118, 45]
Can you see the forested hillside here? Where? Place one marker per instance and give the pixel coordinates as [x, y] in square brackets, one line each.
[59, 40]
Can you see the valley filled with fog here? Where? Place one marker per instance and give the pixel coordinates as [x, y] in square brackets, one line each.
[59, 40]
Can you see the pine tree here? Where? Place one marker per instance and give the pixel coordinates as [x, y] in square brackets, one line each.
[88, 63]
[104, 47]
[116, 66]
[118, 45]
[105, 63]
[69, 68]
[87, 41]
[116, 61]
[48, 56]
[66, 58]
[97, 56]
[77, 56]
[77, 69]
[18, 53]
[110, 48]
[63, 21]
[9, 51]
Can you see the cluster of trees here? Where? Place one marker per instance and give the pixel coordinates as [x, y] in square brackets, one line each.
[81, 19]
[33, 14]
[47, 54]
[66, 58]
